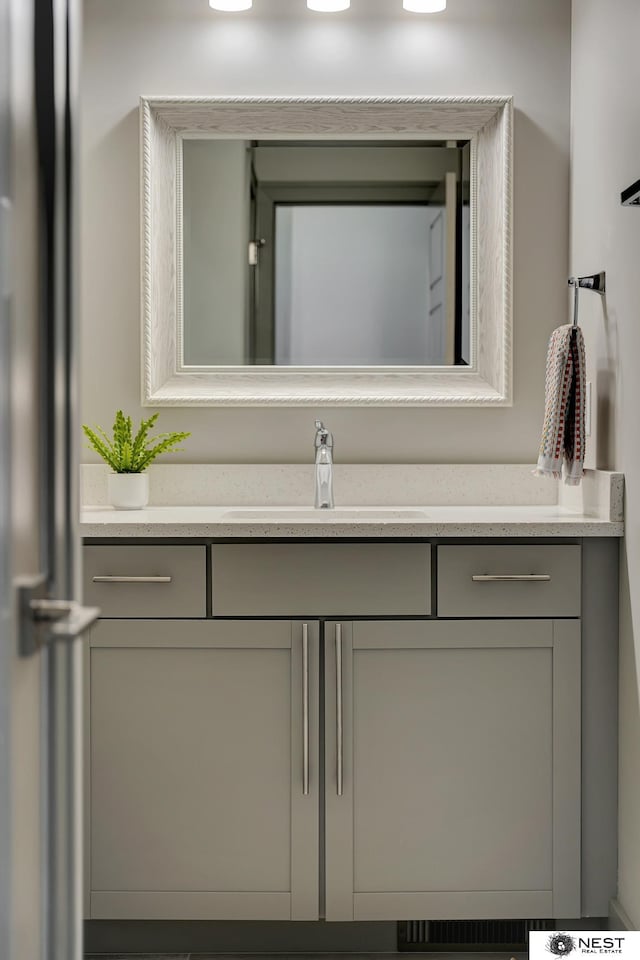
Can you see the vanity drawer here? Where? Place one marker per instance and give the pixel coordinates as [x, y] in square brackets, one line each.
[144, 581]
[509, 581]
[321, 579]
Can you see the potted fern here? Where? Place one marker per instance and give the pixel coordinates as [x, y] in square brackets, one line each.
[129, 456]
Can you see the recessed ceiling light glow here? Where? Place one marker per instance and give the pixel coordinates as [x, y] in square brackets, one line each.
[328, 6]
[425, 6]
[231, 6]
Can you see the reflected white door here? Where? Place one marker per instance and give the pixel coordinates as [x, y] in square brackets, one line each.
[351, 285]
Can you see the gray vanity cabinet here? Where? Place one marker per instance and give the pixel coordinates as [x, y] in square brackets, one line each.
[203, 772]
[452, 769]
[451, 784]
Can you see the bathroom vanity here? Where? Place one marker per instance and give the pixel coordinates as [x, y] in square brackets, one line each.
[343, 718]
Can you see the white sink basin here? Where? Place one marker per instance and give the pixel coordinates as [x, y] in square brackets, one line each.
[337, 515]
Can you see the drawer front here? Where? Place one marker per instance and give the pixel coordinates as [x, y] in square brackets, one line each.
[139, 581]
[509, 581]
[320, 579]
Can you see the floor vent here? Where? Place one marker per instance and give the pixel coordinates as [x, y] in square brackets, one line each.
[422, 936]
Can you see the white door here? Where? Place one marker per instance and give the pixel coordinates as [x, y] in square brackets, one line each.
[40, 814]
[5, 556]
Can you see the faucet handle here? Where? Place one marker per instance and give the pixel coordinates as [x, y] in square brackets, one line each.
[323, 437]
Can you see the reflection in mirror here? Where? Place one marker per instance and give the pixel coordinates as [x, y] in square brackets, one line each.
[326, 253]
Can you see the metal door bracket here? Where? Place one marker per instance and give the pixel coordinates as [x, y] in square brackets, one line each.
[44, 621]
[254, 251]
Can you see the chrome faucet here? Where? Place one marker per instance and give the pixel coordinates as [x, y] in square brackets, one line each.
[324, 467]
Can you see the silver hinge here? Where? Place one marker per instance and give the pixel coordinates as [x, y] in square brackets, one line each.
[44, 621]
[254, 251]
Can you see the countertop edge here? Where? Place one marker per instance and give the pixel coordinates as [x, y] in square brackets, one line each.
[569, 527]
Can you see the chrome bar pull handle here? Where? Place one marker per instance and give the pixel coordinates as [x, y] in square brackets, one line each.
[305, 710]
[132, 579]
[512, 578]
[339, 715]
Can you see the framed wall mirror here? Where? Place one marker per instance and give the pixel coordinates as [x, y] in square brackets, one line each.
[326, 251]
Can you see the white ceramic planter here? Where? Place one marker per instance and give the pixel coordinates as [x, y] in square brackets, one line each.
[128, 491]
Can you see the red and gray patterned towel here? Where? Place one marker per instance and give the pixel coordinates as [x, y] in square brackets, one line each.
[563, 435]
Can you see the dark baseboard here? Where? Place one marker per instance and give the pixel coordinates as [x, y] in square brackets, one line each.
[187, 936]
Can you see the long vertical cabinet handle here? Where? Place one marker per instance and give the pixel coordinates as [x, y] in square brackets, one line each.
[339, 715]
[305, 709]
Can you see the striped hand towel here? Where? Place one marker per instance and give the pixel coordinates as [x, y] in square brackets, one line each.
[563, 435]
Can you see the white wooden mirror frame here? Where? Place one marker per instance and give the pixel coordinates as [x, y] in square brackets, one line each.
[486, 121]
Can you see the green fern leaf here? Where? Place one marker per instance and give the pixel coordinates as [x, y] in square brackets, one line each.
[126, 453]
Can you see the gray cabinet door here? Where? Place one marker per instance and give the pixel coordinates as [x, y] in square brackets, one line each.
[452, 769]
[197, 746]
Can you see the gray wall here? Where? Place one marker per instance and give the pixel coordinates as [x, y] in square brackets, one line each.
[604, 235]
[216, 236]
[133, 47]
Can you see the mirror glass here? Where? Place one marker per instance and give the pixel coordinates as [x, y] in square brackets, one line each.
[325, 253]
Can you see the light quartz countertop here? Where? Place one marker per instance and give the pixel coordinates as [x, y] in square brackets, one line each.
[422, 521]
[275, 500]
